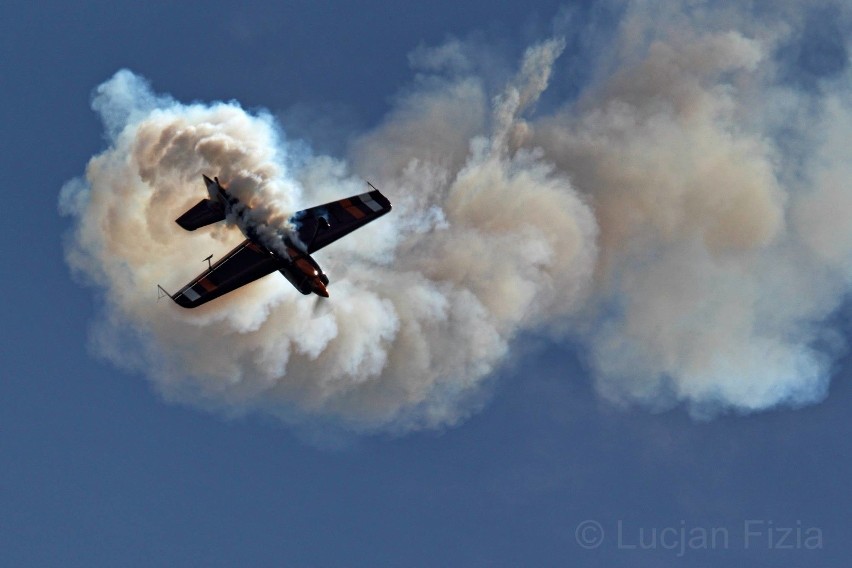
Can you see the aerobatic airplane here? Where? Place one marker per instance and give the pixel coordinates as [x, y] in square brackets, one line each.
[252, 259]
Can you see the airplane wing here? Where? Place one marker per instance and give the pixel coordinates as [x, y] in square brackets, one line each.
[322, 225]
[246, 263]
[201, 214]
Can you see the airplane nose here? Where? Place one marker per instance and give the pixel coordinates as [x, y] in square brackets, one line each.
[320, 289]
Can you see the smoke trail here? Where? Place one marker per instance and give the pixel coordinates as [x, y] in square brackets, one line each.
[417, 320]
[684, 219]
[710, 291]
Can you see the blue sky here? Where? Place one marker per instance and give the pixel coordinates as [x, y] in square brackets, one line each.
[96, 469]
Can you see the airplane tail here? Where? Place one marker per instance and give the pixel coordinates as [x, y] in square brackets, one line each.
[205, 212]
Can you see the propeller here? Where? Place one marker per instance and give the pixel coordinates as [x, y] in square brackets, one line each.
[321, 307]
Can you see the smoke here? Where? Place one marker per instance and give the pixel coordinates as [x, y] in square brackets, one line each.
[710, 288]
[683, 219]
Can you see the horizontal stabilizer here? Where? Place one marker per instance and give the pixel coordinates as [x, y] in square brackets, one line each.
[202, 214]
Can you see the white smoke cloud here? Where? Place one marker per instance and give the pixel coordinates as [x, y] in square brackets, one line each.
[425, 301]
[706, 293]
[662, 220]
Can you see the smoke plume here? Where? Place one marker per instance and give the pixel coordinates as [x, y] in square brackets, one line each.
[684, 220]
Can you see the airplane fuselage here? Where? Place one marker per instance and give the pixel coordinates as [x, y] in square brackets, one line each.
[294, 264]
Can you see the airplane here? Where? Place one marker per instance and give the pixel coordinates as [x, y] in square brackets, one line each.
[256, 257]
